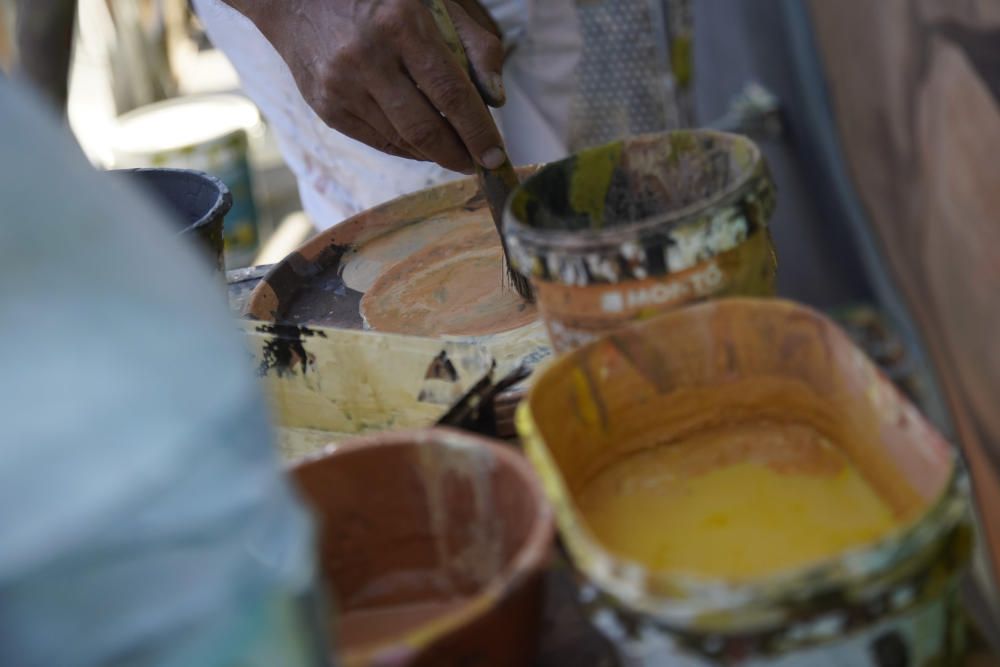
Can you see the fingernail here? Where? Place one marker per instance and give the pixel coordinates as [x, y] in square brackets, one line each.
[496, 85]
[493, 158]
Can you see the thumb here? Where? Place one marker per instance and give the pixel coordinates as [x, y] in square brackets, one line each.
[485, 53]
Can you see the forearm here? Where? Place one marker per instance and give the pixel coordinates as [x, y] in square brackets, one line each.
[45, 45]
[266, 14]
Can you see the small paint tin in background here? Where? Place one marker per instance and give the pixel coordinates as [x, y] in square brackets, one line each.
[624, 231]
[207, 133]
[891, 599]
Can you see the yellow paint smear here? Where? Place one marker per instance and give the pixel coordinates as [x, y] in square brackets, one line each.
[736, 502]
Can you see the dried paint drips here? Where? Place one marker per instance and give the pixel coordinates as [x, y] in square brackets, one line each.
[426, 536]
[480, 557]
[285, 350]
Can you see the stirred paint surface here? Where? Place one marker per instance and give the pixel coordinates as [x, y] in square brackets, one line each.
[735, 502]
[453, 285]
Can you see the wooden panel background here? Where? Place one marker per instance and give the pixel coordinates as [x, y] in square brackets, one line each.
[915, 86]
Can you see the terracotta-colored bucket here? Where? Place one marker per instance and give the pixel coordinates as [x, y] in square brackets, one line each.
[433, 544]
[625, 231]
[734, 362]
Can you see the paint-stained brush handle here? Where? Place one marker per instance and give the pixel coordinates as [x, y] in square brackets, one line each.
[496, 184]
[476, 410]
[451, 37]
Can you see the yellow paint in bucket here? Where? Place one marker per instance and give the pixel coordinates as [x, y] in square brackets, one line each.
[700, 506]
[736, 479]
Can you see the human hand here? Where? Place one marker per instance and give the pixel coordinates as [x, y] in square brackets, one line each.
[379, 71]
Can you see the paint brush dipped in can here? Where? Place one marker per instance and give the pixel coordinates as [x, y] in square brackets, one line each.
[496, 184]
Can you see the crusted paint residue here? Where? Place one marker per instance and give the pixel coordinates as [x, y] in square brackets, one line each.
[285, 350]
[591, 181]
[628, 230]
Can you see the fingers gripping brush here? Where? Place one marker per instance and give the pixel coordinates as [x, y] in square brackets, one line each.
[496, 184]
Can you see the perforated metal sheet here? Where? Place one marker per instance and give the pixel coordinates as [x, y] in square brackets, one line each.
[626, 84]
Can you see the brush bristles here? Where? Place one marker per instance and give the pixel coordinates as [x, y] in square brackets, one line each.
[514, 280]
[521, 285]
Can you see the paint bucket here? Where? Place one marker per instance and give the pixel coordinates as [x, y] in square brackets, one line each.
[311, 378]
[324, 282]
[433, 544]
[197, 200]
[736, 363]
[206, 133]
[624, 231]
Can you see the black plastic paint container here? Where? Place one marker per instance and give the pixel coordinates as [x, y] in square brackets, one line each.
[198, 201]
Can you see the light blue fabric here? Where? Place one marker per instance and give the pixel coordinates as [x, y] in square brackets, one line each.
[144, 518]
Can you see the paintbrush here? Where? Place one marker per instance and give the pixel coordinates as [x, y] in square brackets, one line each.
[496, 184]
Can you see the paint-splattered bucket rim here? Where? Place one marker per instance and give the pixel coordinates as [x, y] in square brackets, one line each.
[746, 183]
[706, 605]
